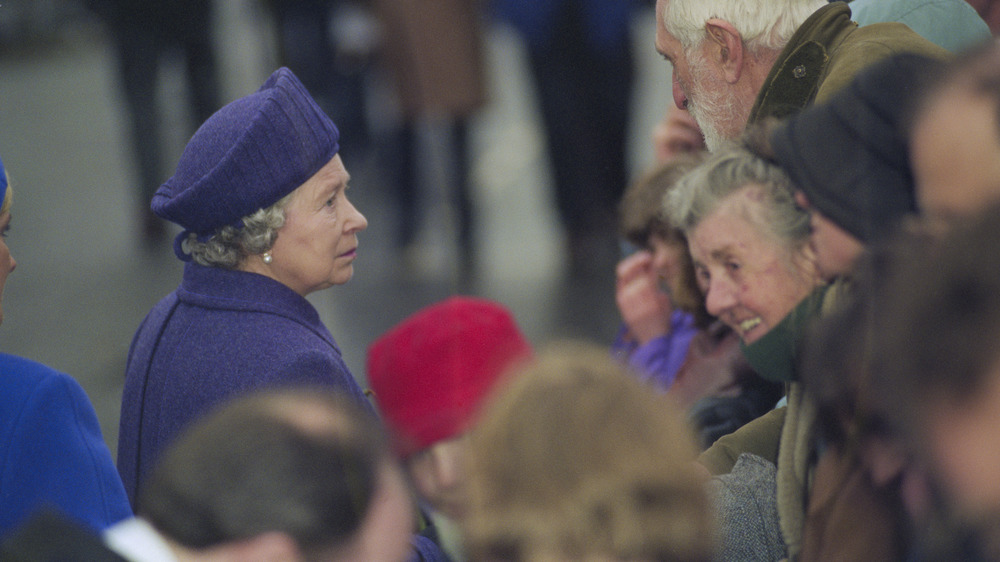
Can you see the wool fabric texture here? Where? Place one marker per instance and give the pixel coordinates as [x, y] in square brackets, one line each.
[849, 155]
[247, 156]
[432, 370]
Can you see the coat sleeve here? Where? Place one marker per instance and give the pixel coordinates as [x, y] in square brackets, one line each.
[760, 437]
[314, 368]
[57, 456]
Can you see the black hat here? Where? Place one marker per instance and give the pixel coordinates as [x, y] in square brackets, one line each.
[849, 154]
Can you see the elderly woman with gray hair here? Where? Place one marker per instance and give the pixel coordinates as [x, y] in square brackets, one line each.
[260, 192]
[750, 245]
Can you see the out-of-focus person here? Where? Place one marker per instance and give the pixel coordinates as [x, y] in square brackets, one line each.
[659, 300]
[434, 51]
[989, 10]
[581, 61]
[574, 459]
[145, 34]
[739, 62]
[848, 160]
[261, 194]
[52, 452]
[936, 376]
[430, 373]
[950, 24]
[955, 143]
[294, 474]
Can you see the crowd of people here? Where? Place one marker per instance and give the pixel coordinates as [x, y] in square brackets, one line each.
[806, 368]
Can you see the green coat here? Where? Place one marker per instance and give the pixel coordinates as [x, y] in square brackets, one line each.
[825, 53]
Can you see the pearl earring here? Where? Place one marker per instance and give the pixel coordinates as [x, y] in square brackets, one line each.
[267, 257]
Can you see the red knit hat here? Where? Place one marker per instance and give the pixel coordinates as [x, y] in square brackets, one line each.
[431, 371]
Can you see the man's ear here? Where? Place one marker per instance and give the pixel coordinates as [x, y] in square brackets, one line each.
[725, 48]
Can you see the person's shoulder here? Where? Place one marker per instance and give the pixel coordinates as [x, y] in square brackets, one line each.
[23, 376]
[866, 46]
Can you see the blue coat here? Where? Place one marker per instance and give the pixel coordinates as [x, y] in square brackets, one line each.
[51, 449]
[220, 334]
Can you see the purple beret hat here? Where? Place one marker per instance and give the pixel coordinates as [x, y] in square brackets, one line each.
[247, 156]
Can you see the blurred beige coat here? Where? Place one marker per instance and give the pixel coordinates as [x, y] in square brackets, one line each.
[434, 50]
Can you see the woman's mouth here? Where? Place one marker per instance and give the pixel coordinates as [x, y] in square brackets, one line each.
[749, 324]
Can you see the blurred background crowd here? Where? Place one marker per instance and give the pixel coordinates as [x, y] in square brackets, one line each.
[96, 260]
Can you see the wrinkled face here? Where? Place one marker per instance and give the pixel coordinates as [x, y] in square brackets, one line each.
[316, 247]
[668, 260]
[7, 263]
[672, 50]
[836, 249]
[955, 150]
[701, 89]
[437, 473]
[387, 527]
[753, 281]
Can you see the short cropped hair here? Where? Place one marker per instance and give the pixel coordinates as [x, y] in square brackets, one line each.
[729, 169]
[643, 215]
[763, 24]
[229, 246]
[576, 458]
[301, 462]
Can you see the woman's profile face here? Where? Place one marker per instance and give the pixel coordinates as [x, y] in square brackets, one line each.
[752, 280]
[7, 262]
[316, 246]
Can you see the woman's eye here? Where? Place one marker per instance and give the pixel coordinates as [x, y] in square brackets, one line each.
[732, 266]
[329, 202]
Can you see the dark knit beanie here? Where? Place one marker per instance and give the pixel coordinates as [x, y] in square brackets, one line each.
[431, 372]
[849, 155]
[247, 156]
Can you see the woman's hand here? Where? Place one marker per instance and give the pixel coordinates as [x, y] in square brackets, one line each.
[644, 306]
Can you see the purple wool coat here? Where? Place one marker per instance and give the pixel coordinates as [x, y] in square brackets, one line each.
[222, 333]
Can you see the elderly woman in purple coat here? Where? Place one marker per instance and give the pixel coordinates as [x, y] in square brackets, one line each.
[261, 194]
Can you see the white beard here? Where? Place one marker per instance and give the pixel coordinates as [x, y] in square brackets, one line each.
[715, 105]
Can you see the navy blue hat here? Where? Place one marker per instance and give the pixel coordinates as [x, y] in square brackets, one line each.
[247, 156]
[849, 155]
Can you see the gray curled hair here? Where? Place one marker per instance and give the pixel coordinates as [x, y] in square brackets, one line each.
[732, 167]
[230, 246]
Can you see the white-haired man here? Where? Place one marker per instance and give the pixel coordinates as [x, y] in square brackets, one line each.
[739, 61]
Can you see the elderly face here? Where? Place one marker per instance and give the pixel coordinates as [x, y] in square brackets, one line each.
[956, 156]
[753, 281]
[7, 262]
[699, 87]
[316, 247]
